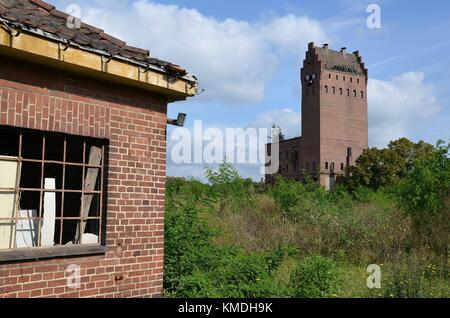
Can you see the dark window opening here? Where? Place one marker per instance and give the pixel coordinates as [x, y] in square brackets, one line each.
[51, 189]
[326, 165]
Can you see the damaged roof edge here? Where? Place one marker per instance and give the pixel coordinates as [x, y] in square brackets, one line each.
[20, 27]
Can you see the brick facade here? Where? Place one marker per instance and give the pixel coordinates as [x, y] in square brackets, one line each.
[134, 123]
[334, 115]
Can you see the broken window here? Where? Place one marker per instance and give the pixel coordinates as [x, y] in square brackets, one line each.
[51, 189]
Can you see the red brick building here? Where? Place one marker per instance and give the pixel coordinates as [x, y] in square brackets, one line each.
[83, 121]
[334, 117]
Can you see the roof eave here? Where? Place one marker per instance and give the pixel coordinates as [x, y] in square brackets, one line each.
[39, 46]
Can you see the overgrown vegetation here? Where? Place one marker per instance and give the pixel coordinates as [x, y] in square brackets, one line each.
[235, 238]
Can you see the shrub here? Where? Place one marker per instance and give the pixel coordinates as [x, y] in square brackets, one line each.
[424, 189]
[315, 277]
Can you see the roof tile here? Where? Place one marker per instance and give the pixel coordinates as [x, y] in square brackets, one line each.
[41, 15]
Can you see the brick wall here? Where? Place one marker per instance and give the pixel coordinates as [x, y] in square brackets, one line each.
[134, 122]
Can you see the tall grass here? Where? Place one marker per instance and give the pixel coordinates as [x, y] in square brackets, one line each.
[233, 238]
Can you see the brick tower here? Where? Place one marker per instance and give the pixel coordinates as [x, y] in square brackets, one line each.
[334, 112]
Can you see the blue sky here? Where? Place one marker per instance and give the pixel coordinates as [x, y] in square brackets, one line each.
[247, 56]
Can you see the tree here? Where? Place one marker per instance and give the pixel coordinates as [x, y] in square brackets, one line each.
[426, 187]
[376, 168]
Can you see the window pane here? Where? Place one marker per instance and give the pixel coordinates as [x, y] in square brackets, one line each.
[32, 145]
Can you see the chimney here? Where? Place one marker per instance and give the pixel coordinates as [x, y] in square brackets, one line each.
[344, 50]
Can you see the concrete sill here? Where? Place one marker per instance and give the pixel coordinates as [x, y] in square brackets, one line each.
[28, 254]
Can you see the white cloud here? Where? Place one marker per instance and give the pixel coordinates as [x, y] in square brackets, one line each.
[288, 120]
[232, 59]
[398, 106]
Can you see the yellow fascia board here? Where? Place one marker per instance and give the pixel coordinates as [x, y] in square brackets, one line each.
[38, 49]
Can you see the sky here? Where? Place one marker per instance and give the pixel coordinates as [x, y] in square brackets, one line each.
[247, 57]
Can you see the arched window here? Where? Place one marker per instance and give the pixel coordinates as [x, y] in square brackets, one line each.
[326, 89]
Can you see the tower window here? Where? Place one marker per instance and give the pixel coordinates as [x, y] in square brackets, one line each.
[329, 76]
[340, 91]
[334, 90]
[342, 166]
[326, 165]
[337, 77]
[349, 152]
[326, 89]
[354, 93]
[351, 79]
[357, 80]
[344, 79]
[348, 92]
[362, 94]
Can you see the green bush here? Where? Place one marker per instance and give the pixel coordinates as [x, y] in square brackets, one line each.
[234, 238]
[425, 188]
[315, 277]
